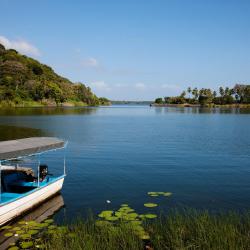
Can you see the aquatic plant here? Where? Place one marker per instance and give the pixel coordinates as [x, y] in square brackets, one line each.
[150, 205]
[156, 194]
[27, 233]
[185, 229]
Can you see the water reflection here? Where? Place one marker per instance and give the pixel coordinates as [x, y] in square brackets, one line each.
[39, 214]
[201, 110]
[13, 132]
[47, 111]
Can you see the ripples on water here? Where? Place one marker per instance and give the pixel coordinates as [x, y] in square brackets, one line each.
[120, 153]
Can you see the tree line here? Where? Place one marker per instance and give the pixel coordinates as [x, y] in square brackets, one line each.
[23, 78]
[239, 94]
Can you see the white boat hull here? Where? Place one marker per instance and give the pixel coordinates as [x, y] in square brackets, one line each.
[15, 208]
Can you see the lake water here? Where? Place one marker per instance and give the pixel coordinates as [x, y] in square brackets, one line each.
[120, 153]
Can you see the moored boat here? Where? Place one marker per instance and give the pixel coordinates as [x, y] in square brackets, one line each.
[21, 189]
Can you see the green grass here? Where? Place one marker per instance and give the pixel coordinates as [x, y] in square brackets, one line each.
[201, 230]
[179, 230]
[88, 235]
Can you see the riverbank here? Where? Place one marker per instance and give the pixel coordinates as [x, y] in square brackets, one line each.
[198, 105]
[190, 229]
[45, 103]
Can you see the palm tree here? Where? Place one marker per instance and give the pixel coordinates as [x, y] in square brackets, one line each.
[183, 94]
[227, 91]
[189, 90]
[195, 93]
[222, 92]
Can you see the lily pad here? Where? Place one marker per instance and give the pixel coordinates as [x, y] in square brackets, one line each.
[153, 194]
[106, 213]
[167, 194]
[6, 227]
[16, 229]
[26, 244]
[33, 232]
[150, 216]
[112, 218]
[22, 222]
[150, 205]
[25, 236]
[49, 221]
[20, 232]
[124, 205]
[8, 234]
[42, 225]
[13, 248]
[150, 193]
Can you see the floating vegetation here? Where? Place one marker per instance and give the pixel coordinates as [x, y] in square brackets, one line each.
[150, 216]
[155, 194]
[49, 221]
[13, 248]
[34, 235]
[28, 233]
[126, 215]
[150, 205]
[26, 244]
[124, 205]
[167, 194]
[106, 214]
[6, 227]
[8, 234]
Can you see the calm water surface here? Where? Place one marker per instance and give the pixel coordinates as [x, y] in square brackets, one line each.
[120, 153]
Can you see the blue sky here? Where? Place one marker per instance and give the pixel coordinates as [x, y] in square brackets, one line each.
[132, 49]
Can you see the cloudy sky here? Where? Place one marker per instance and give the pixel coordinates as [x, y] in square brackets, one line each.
[134, 49]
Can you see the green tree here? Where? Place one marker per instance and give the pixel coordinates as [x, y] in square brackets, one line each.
[195, 93]
[159, 100]
[222, 92]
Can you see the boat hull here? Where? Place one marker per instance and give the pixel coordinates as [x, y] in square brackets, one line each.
[17, 207]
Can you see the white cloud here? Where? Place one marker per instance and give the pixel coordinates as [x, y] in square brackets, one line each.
[90, 62]
[20, 45]
[100, 86]
[140, 86]
[170, 87]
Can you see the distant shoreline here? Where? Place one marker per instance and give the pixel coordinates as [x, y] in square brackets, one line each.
[186, 105]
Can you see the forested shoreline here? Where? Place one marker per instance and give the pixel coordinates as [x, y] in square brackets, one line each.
[238, 95]
[26, 82]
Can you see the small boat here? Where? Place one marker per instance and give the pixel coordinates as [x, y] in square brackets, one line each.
[21, 189]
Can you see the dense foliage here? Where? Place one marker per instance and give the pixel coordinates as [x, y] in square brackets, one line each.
[239, 94]
[23, 78]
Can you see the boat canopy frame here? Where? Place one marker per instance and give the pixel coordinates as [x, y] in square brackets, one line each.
[16, 149]
[21, 148]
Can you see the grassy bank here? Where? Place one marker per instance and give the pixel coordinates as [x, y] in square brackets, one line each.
[45, 103]
[188, 230]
